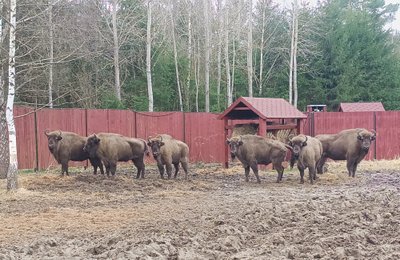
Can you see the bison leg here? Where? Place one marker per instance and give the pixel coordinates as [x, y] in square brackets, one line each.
[320, 164]
[185, 168]
[350, 166]
[176, 165]
[311, 173]
[113, 168]
[246, 172]
[254, 167]
[301, 175]
[168, 168]
[64, 168]
[140, 168]
[279, 168]
[161, 170]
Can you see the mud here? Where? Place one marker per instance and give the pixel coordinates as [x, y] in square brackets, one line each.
[213, 215]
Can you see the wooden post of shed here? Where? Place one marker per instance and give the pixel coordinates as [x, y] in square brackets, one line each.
[226, 153]
[262, 127]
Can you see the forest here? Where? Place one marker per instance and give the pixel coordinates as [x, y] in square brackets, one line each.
[188, 55]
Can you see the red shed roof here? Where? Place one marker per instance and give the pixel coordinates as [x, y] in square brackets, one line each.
[264, 108]
[361, 107]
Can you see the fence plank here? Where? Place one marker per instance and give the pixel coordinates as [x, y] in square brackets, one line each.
[204, 134]
[387, 139]
[24, 119]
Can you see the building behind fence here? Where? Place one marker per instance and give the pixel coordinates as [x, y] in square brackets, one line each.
[203, 132]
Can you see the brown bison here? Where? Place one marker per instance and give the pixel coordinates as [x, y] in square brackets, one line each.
[169, 151]
[351, 145]
[67, 146]
[112, 148]
[252, 150]
[307, 151]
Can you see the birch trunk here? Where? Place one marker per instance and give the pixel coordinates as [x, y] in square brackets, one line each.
[227, 63]
[12, 173]
[176, 62]
[262, 51]
[51, 54]
[197, 75]
[219, 54]
[250, 49]
[189, 57]
[116, 51]
[296, 32]
[207, 56]
[292, 56]
[148, 58]
[4, 154]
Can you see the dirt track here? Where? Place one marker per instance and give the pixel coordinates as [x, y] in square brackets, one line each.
[214, 215]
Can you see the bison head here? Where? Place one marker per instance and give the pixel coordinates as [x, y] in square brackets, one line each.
[366, 137]
[297, 143]
[234, 144]
[155, 145]
[53, 139]
[91, 145]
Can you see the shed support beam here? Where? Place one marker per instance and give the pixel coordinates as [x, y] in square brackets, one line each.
[262, 127]
[226, 154]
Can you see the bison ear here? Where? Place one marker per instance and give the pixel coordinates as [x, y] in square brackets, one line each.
[162, 143]
[304, 143]
[228, 141]
[149, 143]
[359, 137]
[373, 137]
[290, 143]
[59, 137]
[240, 142]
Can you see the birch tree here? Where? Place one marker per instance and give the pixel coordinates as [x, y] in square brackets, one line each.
[250, 48]
[229, 87]
[117, 84]
[189, 53]
[148, 58]
[4, 151]
[51, 53]
[176, 58]
[293, 53]
[12, 173]
[207, 56]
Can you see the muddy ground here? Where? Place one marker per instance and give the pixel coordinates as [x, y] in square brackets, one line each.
[213, 215]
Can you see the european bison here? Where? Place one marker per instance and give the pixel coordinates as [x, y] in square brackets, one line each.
[67, 146]
[252, 150]
[167, 151]
[112, 148]
[307, 151]
[351, 145]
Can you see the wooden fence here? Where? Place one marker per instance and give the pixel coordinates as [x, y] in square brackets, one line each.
[203, 132]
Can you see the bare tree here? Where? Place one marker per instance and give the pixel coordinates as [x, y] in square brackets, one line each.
[189, 53]
[176, 58]
[293, 57]
[51, 53]
[12, 174]
[4, 151]
[219, 51]
[229, 86]
[207, 56]
[250, 48]
[148, 58]
[117, 84]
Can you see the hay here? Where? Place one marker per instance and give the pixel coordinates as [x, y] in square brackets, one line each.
[245, 129]
[252, 129]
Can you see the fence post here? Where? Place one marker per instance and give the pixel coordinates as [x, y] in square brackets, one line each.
[375, 137]
[184, 127]
[36, 141]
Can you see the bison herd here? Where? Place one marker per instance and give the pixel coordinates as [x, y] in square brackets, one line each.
[106, 149]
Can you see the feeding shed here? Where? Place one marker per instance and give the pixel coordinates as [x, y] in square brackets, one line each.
[270, 114]
[361, 107]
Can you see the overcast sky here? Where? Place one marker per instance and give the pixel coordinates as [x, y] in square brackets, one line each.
[395, 24]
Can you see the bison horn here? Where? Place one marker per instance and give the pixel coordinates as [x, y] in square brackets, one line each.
[306, 139]
[46, 132]
[160, 138]
[373, 131]
[59, 133]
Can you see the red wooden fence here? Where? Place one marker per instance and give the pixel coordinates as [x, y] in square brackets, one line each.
[203, 132]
